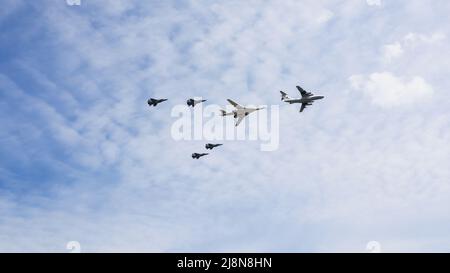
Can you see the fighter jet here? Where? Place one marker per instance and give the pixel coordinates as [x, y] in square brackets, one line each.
[240, 113]
[154, 102]
[197, 156]
[192, 102]
[210, 146]
[307, 98]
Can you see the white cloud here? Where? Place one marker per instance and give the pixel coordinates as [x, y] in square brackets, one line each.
[416, 39]
[373, 2]
[325, 16]
[387, 90]
[392, 51]
[410, 42]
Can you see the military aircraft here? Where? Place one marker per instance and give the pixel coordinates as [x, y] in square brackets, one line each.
[210, 146]
[197, 156]
[307, 98]
[240, 113]
[192, 102]
[154, 102]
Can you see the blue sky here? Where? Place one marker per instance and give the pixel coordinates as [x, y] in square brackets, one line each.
[83, 158]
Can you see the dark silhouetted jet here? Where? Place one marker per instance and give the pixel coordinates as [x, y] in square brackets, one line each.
[154, 102]
[197, 156]
[210, 146]
[192, 102]
[307, 98]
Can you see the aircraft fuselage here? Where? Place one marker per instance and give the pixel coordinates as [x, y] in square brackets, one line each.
[304, 100]
[241, 112]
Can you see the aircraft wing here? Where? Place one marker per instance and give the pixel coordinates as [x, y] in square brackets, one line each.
[237, 105]
[303, 107]
[303, 92]
[239, 120]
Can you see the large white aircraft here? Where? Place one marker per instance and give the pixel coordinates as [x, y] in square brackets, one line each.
[240, 112]
[307, 98]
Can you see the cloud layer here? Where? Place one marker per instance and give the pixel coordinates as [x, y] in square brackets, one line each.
[387, 90]
[83, 158]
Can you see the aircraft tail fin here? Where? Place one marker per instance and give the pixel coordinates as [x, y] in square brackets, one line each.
[223, 112]
[284, 96]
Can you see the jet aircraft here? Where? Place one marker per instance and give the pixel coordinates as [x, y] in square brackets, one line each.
[192, 102]
[210, 146]
[197, 156]
[153, 102]
[307, 98]
[240, 112]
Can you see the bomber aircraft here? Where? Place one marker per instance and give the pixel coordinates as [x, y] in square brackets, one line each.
[240, 112]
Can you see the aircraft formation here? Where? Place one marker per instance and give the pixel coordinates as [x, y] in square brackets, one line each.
[208, 146]
[240, 112]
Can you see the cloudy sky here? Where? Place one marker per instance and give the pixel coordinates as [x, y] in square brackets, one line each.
[83, 158]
